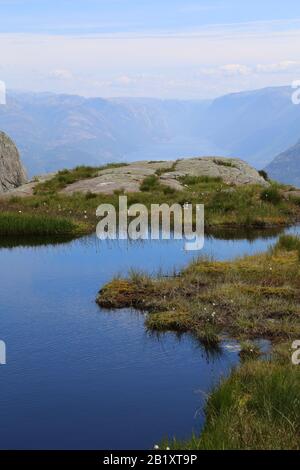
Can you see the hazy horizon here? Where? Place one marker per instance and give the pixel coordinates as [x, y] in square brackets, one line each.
[141, 97]
[136, 48]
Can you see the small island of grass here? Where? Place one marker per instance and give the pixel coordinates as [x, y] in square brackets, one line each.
[253, 297]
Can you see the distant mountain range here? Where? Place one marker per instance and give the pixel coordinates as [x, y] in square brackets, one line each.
[57, 131]
[286, 166]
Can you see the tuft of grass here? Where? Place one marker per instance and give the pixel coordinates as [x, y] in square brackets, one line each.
[271, 195]
[288, 243]
[150, 183]
[191, 180]
[256, 408]
[39, 225]
[249, 350]
[227, 163]
[208, 336]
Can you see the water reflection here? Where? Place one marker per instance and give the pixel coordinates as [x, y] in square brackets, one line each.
[79, 377]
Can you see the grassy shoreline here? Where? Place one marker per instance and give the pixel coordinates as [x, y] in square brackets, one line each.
[39, 225]
[253, 296]
[258, 406]
[250, 206]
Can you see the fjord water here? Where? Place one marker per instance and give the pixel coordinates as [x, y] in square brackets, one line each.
[79, 377]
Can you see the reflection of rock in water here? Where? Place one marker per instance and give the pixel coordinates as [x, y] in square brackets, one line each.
[12, 173]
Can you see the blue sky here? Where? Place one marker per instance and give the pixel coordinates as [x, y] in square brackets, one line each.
[91, 16]
[166, 48]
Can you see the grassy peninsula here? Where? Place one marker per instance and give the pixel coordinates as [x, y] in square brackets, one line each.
[258, 406]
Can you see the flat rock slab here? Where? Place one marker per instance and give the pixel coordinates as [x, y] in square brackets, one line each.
[124, 178]
[128, 178]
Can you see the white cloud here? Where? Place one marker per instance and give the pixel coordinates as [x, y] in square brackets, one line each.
[191, 65]
[235, 69]
[282, 66]
[61, 74]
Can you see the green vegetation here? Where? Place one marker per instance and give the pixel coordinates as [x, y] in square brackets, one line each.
[258, 406]
[249, 350]
[225, 206]
[227, 163]
[271, 195]
[161, 171]
[288, 243]
[151, 183]
[264, 174]
[65, 177]
[256, 296]
[247, 298]
[39, 225]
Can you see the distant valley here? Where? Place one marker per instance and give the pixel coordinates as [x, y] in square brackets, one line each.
[57, 131]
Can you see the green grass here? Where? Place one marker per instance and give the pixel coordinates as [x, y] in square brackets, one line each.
[288, 243]
[208, 181]
[151, 183]
[225, 206]
[271, 195]
[249, 350]
[255, 296]
[257, 407]
[65, 177]
[36, 225]
[227, 163]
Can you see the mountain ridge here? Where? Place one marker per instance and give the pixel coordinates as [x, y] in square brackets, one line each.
[53, 131]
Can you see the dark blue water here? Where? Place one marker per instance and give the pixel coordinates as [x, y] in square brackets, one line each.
[78, 377]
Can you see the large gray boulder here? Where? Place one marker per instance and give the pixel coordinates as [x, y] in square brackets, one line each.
[12, 172]
[232, 171]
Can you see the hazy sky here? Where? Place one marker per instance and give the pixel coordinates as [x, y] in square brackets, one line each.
[163, 48]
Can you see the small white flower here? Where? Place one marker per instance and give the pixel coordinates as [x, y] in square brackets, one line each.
[156, 447]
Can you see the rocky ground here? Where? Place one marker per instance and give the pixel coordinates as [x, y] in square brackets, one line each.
[129, 178]
[12, 173]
